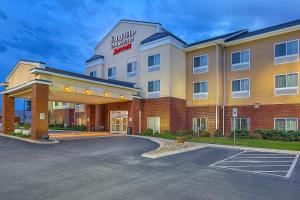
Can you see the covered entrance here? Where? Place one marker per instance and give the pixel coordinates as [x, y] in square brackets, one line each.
[118, 121]
[41, 84]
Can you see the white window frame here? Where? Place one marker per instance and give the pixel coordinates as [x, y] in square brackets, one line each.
[285, 119]
[240, 119]
[112, 77]
[154, 94]
[154, 67]
[200, 95]
[286, 56]
[286, 88]
[153, 128]
[206, 123]
[133, 73]
[201, 67]
[93, 73]
[239, 64]
[239, 92]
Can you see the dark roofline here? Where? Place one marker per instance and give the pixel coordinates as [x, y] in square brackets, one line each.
[82, 76]
[93, 58]
[137, 21]
[225, 36]
[161, 35]
[33, 61]
[266, 30]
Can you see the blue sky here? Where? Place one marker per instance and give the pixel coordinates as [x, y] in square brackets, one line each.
[63, 33]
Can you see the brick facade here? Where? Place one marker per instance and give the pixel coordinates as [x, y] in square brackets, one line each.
[39, 107]
[63, 116]
[90, 111]
[8, 114]
[262, 117]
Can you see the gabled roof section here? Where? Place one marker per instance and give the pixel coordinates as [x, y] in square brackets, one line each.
[82, 76]
[128, 21]
[160, 35]
[266, 30]
[93, 58]
[221, 37]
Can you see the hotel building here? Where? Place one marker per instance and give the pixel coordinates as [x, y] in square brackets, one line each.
[143, 76]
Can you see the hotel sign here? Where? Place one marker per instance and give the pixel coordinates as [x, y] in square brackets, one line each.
[122, 42]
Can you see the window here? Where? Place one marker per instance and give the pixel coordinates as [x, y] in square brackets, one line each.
[56, 104]
[154, 62]
[153, 123]
[200, 64]
[93, 74]
[286, 124]
[240, 88]
[286, 84]
[200, 90]
[240, 60]
[240, 123]
[132, 69]
[154, 89]
[286, 52]
[199, 123]
[112, 73]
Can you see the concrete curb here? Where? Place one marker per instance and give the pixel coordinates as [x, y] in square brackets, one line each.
[29, 140]
[161, 142]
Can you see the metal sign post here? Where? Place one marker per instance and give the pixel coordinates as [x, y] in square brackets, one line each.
[234, 115]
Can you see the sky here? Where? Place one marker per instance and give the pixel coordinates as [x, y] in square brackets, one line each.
[63, 33]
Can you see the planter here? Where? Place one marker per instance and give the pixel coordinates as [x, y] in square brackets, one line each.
[27, 132]
[18, 130]
[180, 139]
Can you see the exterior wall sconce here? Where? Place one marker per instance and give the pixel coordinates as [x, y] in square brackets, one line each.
[257, 105]
[121, 97]
[87, 91]
[66, 89]
[106, 94]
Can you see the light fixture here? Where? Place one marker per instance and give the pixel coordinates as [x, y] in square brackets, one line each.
[106, 94]
[66, 88]
[121, 97]
[87, 91]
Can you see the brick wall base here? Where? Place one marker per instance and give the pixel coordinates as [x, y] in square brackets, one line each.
[65, 116]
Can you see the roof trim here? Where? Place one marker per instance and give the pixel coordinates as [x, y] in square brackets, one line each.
[36, 81]
[36, 70]
[162, 41]
[127, 21]
[28, 62]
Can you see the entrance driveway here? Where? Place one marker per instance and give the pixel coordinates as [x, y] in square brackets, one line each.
[112, 168]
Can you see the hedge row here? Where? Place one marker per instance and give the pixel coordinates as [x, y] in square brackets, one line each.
[271, 134]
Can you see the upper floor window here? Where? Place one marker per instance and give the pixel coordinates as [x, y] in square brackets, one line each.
[153, 62]
[112, 73]
[132, 69]
[154, 89]
[93, 74]
[286, 124]
[287, 52]
[240, 60]
[240, 123]
[240, 88]
[286, 84]
[200, 90]
[200, 64]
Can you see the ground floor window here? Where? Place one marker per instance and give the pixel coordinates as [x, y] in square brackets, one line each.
[240, 123]
[153, 123]
[286, 124]
[199, 123]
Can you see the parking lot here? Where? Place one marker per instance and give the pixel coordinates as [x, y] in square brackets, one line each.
[112, 168]
[272, 164]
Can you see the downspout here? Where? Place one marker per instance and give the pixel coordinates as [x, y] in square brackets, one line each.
[217, 85]
[224, 82]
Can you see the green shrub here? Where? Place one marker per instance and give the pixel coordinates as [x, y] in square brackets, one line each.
[256, 136]
[272, 134]
[190, 132]
[240, 134]
[18, 135]
[148, 132]
[218, 133]
[26, 126]
[204, 133]
[79, 128]
[17, 126]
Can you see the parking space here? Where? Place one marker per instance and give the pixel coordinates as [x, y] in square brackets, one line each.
[273, 164]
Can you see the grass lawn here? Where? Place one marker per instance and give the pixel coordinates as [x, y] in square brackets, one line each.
[269, 144]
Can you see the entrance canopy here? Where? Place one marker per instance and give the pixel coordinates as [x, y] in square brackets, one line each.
[66, 86]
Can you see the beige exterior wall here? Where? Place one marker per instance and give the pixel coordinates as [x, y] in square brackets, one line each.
[21, 75]
[262, 71]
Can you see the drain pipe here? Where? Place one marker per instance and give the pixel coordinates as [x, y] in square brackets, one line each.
[224, 88]
[217, 85]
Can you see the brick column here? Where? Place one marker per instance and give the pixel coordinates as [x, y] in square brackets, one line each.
[90, 117]
[134, 116]
[39, 110]
[8, 114]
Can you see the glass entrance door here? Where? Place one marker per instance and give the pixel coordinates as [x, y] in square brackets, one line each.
[118, 121]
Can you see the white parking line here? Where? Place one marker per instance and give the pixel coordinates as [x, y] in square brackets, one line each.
[265, 165]
[292, 167]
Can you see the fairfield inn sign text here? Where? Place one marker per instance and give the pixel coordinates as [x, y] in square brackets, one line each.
[122, 42]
